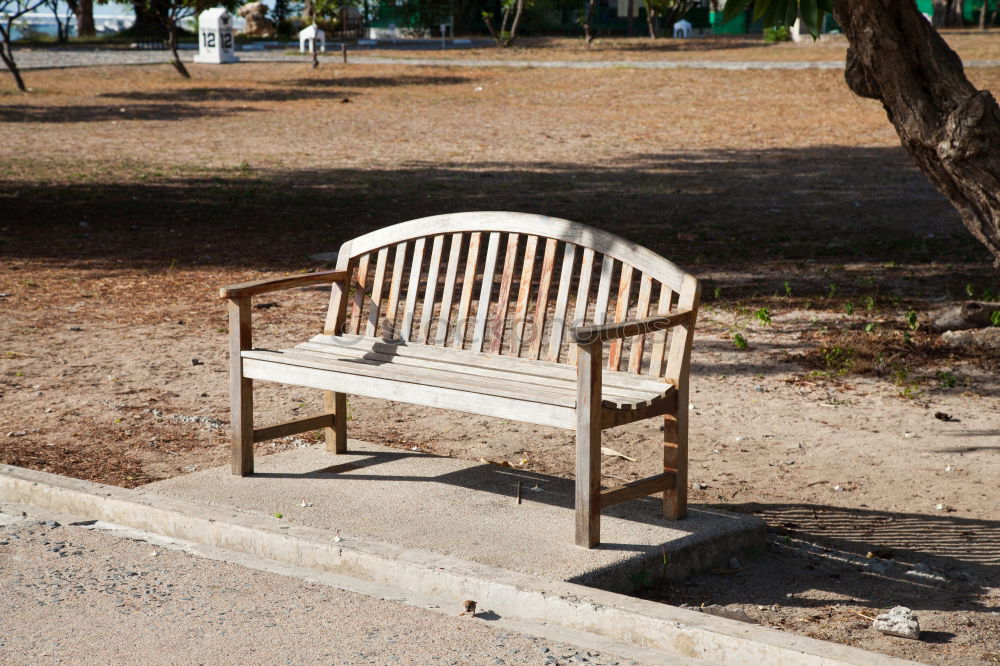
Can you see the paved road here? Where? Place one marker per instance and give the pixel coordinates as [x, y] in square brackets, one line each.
[84, 596]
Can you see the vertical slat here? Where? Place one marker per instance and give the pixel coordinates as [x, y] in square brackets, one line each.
[485, 291]
[621, 314]
[468, 283]
[604, 291]
[392, 307]
[660, 337]
[336, 314]
[240, 388]
[588, 445]
[448, 291]
[524, 290]
[430, 292]
[500, 316]
[378, 284]
[582, 295]
[641, 311]
[559, 322]
[542, 300]
[359, 294]
[410, 310]
[675, 427]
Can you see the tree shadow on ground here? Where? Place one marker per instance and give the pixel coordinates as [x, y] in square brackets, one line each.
[930, 562]
[861, 219]
[25, 113]
[284, 94]
[348, 81]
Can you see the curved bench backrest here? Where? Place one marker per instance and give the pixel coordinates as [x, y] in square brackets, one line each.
[509, 284]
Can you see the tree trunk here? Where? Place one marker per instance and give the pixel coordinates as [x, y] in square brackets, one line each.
[588, 30]
[631, 16]
[7, 55]
[650, 20]
[982, 15]
[517, 22]
[84, 11]
[951, 129]
[172, 41]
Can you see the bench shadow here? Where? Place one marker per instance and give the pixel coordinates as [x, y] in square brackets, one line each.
[535, 488]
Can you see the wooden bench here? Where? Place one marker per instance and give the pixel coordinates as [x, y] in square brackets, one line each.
[511, 315]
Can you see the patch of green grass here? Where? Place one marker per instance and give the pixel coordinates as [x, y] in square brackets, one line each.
[763, 316]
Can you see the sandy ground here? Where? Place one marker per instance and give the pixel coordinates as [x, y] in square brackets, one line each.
[129, 195]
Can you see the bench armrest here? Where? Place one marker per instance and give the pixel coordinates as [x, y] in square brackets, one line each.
[624, 329]
[245, 289]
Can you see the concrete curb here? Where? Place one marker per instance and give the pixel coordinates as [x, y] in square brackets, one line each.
[523, 598]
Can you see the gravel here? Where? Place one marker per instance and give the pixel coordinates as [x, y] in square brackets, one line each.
[78, 595]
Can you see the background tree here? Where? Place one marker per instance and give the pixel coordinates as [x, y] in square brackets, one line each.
[10, 12]
[62, 20]
[588, 19]
[949, 127]
[503, 36]
[84, 10]
[170, 13]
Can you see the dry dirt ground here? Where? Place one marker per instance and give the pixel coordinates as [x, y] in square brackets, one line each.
[128, 195]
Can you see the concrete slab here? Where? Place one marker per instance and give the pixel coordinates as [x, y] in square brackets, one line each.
[470, 511]
[644, 630]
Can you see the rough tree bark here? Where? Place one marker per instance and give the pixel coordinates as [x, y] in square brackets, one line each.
[951, 129]
[84, 10]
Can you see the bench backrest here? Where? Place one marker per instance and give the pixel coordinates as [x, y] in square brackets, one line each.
[511, 284]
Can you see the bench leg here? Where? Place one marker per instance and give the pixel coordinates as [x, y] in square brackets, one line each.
[588, 446]
[336, 437]
[240, 388]
[675, 455]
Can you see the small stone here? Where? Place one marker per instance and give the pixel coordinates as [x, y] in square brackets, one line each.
[195, 361]
[838, 488]
[909, 435]
[75, 328]
[900, 621]
[758, 388]
[734, 563]
[949, 468]
[699, 486]
[740, 438]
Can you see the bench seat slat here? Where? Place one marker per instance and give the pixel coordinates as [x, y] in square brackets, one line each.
[642, 383]
[457, 398]
[617, 395]
[355, 365]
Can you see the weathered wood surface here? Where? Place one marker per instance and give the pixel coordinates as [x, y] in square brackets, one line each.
[480, 358]
[247, 289]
